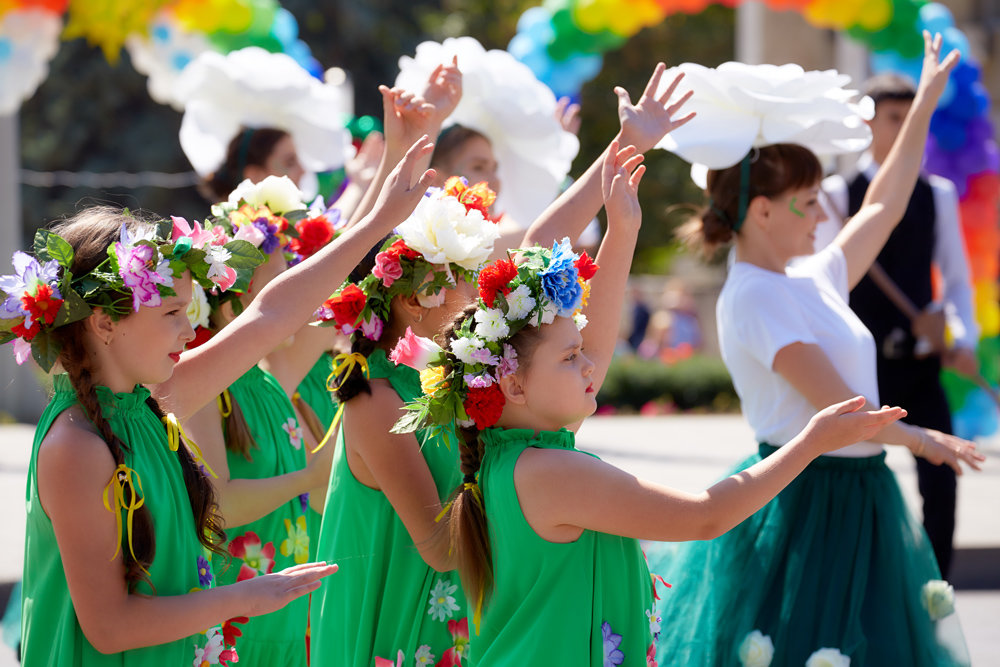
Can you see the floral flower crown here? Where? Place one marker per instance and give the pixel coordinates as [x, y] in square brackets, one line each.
[448, 237]
[460, 384]
[43, 294]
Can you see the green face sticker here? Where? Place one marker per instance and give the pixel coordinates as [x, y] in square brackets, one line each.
[791, 207]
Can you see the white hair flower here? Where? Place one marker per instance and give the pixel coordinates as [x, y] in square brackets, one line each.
[198, 310]
[464, 347]
[491, 324]
[443, 230]
[278, 193]
[520, 303]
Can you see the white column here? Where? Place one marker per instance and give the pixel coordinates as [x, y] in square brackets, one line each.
[20, 394]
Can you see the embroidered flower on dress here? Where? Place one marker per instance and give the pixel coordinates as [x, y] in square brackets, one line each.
[612, 654]
[294, 431]
[304, 501]
[204, 572]
[214, 651]
[298, 540]
[654, 622]
[423, 656]
[651, 656]
[459, 644]
[442, 600]
[257, 558]
[382, 662]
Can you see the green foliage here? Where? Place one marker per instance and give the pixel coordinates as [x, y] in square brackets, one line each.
[697, 382]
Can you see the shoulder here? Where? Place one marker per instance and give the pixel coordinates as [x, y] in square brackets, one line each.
[72, 456]
[369, 417]
[539, 467]
[748, 287]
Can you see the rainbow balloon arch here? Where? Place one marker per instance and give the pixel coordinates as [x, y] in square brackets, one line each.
[562, 42]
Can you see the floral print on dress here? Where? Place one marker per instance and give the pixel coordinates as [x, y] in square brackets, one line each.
[214, 652]
[257, 558]
[655, 620]
[612, 654]
[204, 572]
[651, 656]
[442, 600]
[459, 644]
[304, 501]
[423, 656]
[382, 662]
[297, 543]
[294, 431]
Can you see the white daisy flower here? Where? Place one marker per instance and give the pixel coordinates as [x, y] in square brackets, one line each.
[520, 303]
[442, 600]
[491, 324]
[463, 347]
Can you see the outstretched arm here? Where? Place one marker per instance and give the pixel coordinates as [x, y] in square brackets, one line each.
[563, 493]
[643, 124]
[288, 302]
[889, 193]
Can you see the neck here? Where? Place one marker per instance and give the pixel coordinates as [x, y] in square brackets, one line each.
[760, 254]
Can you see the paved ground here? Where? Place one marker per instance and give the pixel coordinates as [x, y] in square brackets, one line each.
[688, 452]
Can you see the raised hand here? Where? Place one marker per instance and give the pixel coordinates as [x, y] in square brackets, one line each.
[845, 423]
[647, 121]
[938, 448]
[444, 90]
[620, 175]
[403, 188]
[568, 115]
[406, 118]
[362, 167]
[935, 72]
[271, 592]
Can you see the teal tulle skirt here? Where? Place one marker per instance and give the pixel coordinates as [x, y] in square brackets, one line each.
[834, 561]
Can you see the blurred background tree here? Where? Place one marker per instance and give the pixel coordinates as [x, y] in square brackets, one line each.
[90, 116]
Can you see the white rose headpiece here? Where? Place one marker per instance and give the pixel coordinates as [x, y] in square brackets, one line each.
[252, 88]
[740, 107]
[503, 100]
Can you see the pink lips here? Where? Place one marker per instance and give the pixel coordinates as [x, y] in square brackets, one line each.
[176, 356]
[590, 388]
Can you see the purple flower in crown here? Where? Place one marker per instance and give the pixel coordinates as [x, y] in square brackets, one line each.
[372, 327]
[508, 362]
[142, 269]
[483, 355]
[478, 381]
[270, 232]
[28, 275]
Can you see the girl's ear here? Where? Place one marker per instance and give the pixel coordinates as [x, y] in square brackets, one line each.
[512, 387]
[759, 210]
[410, 305]
[101, 326]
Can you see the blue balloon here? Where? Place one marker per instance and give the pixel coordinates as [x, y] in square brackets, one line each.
[947, 95]
[935, 17]
[965, 73]
[536, 22]
[949, 132]
[953, 38]
[285, 28]
[531, 54]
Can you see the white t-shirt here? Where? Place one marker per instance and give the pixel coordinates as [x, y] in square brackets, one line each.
[759, 312]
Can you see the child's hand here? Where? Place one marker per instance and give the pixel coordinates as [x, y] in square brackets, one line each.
[444, 90]
[403, 189]
[650, 119]
[938, 448]
[406, 117]
[568, 115]
[620, 189]
[934, 74]
[271, 592]
[362, 167]
[846, 423]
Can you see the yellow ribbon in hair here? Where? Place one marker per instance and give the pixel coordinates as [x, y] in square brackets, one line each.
[176, 435]
[225, 403]
[116, 489]
[343, 365]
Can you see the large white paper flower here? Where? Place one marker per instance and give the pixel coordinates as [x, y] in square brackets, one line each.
[443, 231]
[278, 193]
[743, 106]
[163, 54]
[253, 88]
[29, 39]
[828, 657]
[502, 99]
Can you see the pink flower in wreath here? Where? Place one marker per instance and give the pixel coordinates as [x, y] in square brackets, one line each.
[387, 268]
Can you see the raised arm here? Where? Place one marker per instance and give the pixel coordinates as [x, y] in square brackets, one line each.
[564, 492]
[642, 125]
[288, 302]
[621, 173]
[889, 193]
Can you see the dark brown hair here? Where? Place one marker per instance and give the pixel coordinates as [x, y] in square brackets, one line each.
[468, 532]
[774, 170]
[249, 147]
[90, 233]
[889, 87]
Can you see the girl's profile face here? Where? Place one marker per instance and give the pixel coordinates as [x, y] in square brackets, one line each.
[284, 161]
[146, 344]
[558, 378]
[796, 214]
[474, 160]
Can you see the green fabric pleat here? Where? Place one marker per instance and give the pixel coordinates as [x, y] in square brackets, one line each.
[834, 561]
[314, 391]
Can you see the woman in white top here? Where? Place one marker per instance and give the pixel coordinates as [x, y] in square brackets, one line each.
[835, 564]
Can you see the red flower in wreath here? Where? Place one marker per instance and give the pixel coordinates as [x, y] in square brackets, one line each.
[585, 266]
[27, 333]
[347, 305]
[314, 233]
[496, 278]
[484, 405]
[42, 306]
[400, 249]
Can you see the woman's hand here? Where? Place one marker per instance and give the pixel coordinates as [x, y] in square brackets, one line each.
[941, 448]
[846, 423]
[620, 175]
[647, 121]
[271, 592]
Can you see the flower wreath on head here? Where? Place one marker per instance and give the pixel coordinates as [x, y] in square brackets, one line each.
[461, 384]
[447, 238]
[43, 294]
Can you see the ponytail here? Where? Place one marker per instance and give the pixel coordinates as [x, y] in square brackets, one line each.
[235, 429]
[347, 387]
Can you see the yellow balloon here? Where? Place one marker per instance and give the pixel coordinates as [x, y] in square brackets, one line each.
[590, 16]
[875, 15]
[985, 294]
[107, 23]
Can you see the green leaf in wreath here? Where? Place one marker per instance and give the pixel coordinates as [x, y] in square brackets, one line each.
[60, 250]
[45, 351]
[244, 255]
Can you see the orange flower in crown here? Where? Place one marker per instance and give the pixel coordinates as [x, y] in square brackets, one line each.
[478, 197]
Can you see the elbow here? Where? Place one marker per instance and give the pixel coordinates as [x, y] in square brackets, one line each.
[105, 637]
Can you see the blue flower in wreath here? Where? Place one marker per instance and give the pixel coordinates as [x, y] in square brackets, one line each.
[560, 279]
[204, 572]
[612, 654]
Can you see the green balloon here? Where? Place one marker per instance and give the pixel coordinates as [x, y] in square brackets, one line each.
[956, 389]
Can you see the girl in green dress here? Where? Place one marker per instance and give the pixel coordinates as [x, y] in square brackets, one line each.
[545, 536]
[119, 586]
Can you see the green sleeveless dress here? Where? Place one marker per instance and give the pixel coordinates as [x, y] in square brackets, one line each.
[314, 391]
[280, 539]
[587, 602]
[385, 598]
[50, 631]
